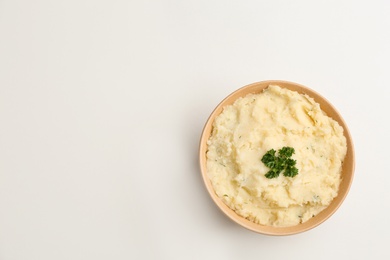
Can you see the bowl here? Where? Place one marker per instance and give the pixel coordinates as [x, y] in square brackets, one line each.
[347, 168]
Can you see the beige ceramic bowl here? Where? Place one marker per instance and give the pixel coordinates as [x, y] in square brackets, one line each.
[347, 172]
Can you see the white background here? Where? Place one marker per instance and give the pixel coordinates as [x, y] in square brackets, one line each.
[102, 104]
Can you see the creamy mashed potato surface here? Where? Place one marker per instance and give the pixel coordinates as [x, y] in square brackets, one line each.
[275, 118]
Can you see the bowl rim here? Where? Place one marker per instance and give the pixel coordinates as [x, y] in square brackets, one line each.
[347, 177]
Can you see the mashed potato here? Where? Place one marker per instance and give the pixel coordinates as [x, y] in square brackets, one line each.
[275, 118]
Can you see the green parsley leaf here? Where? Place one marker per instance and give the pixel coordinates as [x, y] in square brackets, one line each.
[269, 159]
[286, 152]
[281, 163]
[273, 173]
[290, 171]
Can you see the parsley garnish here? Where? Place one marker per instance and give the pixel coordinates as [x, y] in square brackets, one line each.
[281, 163]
